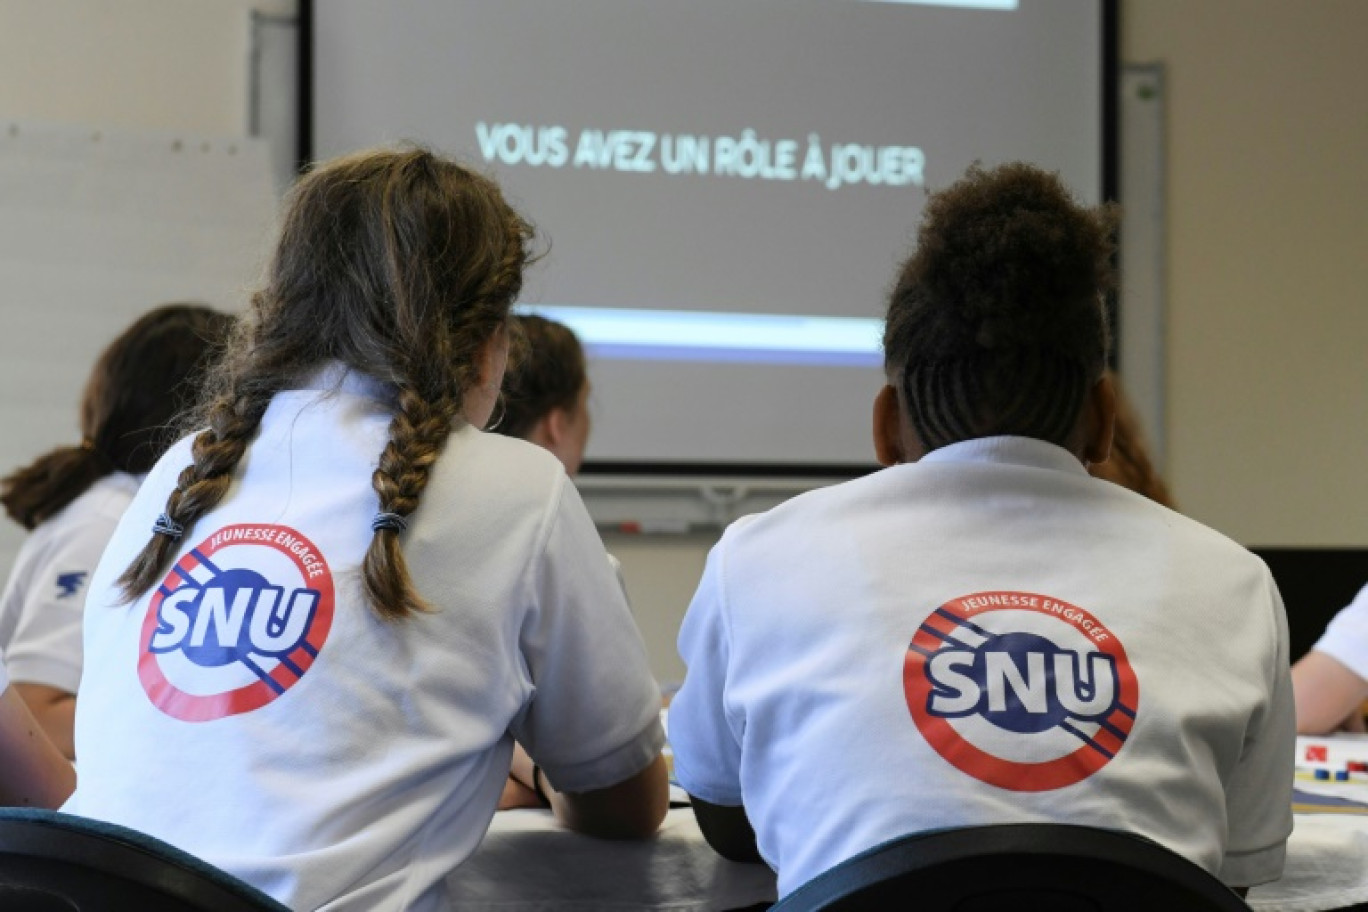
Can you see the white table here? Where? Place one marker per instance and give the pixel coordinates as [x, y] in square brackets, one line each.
[1327, 856]
[528, 863]
[1327, 867]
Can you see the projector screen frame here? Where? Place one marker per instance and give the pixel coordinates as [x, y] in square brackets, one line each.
[695, 474]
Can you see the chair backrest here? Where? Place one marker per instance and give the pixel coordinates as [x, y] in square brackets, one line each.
[54, 862]
[1029, 867]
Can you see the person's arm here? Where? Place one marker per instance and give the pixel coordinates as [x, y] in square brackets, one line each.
[32, 772]
[55, 711]
[727, 829]
[1328, 695]
[44, 652]
[1258, 789]
[631, 809]
[593, 723]
[705, 737]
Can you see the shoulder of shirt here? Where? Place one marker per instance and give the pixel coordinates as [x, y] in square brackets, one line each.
[821, 504]
[809, 506]
[514, 449]
[539, 474]
[1197, 533]
[100, 505]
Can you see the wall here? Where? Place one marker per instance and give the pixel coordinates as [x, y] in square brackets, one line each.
[1267, 232]
[1267, 201]
[163, 64]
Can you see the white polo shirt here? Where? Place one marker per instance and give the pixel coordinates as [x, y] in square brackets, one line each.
[1346, 636]
[254, 710]
[987, 636]
[44, 598]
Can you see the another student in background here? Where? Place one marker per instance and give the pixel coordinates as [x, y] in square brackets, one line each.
[981, 633]
[327, 615]
[1129, 464]
[546, 402]
[72, 497]
[546, 391]
[1331, 681]
[32, 772]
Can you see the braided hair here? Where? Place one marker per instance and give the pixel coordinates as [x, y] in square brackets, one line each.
[400, 265]
[996, 324]
[141, 382]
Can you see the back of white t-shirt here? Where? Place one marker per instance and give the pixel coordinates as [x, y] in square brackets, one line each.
[987, 636]
[44, 598]
[255, 711]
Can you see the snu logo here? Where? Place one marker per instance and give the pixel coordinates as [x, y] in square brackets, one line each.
[1020, 690]
[237, 622]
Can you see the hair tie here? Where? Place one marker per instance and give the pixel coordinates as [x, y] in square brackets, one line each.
[167, 526]
[388, 522]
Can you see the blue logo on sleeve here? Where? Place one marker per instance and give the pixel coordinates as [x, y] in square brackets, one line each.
[68, 584]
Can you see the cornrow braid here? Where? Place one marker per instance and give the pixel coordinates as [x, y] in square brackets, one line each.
[417, 434]
[201, 485]
[952, 400]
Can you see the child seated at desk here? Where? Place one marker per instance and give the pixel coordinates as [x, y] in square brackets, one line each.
[70, 498]
[982, 633]
[327, 614]
[1331, 681]
[545, 401]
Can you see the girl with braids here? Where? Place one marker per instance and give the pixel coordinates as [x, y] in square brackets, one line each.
[329, 612]
[71, 498]
[982, 633]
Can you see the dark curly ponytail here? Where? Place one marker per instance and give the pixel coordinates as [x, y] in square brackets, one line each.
[996, 324]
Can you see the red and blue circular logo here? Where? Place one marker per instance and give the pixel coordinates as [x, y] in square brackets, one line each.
[1020, 690]
[236, 623]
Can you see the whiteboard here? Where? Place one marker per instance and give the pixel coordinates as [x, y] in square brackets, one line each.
[96, 227]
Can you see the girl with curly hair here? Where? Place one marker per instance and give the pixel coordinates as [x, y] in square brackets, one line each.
[982, 633]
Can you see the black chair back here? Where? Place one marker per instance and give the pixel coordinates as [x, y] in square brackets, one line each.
[54, 862]
[1031, 867]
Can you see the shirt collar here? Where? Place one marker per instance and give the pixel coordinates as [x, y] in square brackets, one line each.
[336, 377]
[1021, 451]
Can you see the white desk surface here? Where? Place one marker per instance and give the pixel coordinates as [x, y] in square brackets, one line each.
[528, 863]
[1327, 856]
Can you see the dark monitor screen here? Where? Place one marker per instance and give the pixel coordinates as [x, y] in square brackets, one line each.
[1315, 584]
